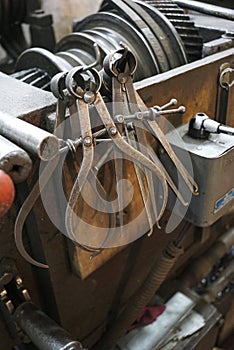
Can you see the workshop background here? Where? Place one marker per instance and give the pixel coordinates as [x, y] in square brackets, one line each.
[64, 12]
[93, 300]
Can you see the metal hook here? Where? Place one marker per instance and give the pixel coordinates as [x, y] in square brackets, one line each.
[73, 84]
[57, 85]
[97, 59]
[120, 62]
[223, 81]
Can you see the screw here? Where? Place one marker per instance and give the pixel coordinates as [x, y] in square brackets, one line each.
[122, 78]
[120, 118]
[3, 293]
[19, 281]
[113, 131]
[10, 306]
[87, 141]
[89, 97]
[139, 115]
[181, 109]
[26, 295]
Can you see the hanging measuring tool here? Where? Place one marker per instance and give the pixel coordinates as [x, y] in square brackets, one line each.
[125, 128]
[135, 119]
[120, 67]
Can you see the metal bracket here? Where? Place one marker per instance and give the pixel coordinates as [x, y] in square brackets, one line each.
[225, 82]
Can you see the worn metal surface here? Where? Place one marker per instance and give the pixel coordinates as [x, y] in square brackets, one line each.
[198, 96]
[34, 140]
[212, 159]
[185, 28]
[202, 266]
[14, 160]
[170, 331]
[93, 297]
[217, 45]
[206, 8]
[43, 332]
[224, 89]
[29, 104]
[163, 45]
[20, 100]
[217, 288]
[153, 336]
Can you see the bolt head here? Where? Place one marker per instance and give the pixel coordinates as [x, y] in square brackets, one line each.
[173, 101]
[87, 141]
[19, 281]
[3, 293]
[120, 119]
[113, 131]
[10, 306]
[89, 97]
[122, 78]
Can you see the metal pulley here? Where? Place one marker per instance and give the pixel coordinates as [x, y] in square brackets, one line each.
[166, 40]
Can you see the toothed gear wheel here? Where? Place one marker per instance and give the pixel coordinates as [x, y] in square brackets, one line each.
[186, 29]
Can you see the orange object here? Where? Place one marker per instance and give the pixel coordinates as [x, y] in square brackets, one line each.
[7, 193]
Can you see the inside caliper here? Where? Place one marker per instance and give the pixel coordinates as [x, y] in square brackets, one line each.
[119, 130]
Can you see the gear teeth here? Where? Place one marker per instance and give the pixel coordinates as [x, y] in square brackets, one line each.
[186, 29]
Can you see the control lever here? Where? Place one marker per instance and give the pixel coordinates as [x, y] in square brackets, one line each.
[200, 126]
[42, 330]
[22, 315]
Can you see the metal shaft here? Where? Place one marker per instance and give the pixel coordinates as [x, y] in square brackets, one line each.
[200, 267]
[226, 130]
[43, 332]
[29, 137]
[14, 161]
[218, 286]
[203, 7]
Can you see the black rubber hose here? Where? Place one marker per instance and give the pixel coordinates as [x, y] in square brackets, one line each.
[140, 299]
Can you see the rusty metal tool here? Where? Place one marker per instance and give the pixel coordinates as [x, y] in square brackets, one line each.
[122, 66]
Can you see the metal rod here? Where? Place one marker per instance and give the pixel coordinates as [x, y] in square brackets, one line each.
[14, 160]
[29, 137]
[226, 130]
[212, 10]
[202, 266]
[219, 285]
